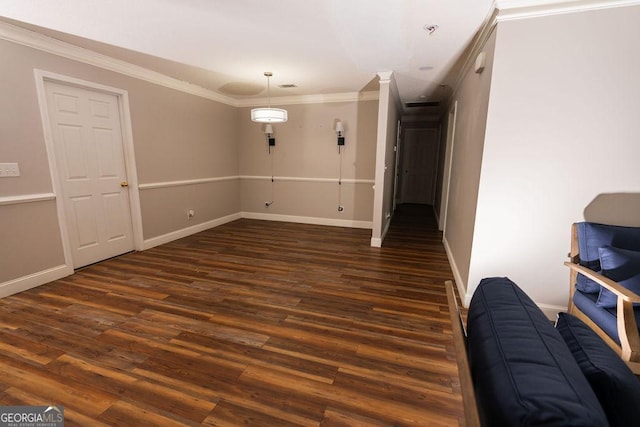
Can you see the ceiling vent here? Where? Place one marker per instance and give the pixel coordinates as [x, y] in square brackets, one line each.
[422, 104]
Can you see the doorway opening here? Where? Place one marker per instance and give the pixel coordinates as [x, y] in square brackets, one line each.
[418, 169]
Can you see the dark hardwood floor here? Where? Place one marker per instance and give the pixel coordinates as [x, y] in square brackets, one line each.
[250, 323]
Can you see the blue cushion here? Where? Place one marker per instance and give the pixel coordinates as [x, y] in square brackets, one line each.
[616, 387]
[605, 318]
[592, 236]
[523, 372]
[622, 266]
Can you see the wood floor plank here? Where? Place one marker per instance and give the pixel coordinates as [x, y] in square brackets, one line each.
[52, 388]
[124, 413]
[401, 413]
[17, 397]
[261, 357]
[249, 323]
[254, 398]
[14, 345]
[336, 417]
[227, 413]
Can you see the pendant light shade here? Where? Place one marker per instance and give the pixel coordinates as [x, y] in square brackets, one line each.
[268, 114]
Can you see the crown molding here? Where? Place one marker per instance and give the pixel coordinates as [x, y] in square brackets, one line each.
[477, 44]
[311, 99]
[50, 45]
[523, 9]
[47, 44]
[385, 76]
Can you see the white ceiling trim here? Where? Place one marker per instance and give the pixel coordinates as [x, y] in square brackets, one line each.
[523, 9]
[311, 99]
[477, 44]
[50, 45]
[47, 44]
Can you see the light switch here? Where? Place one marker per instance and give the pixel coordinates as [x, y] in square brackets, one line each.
[8, 170]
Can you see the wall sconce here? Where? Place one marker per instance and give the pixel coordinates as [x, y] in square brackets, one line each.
[340, 134]
[271, 141]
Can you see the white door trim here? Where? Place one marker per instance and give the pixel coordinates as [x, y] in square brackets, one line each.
[396, 151]
[127, 140]
[448, 161]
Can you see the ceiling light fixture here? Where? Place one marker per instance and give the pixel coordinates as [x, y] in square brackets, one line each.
[268, 115]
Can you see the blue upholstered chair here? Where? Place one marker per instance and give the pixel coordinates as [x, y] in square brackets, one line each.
[605, 285]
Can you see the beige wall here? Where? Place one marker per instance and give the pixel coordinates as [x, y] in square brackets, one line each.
[561, 145]
[180, 136]
[183, 138]
[306, 164]
[164, 210]
[177, 137]
[30, 239]
[466, 149]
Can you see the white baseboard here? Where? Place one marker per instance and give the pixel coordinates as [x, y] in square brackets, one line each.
[387, 225]
[308, 220]
[33, 280]
[462, 291]
[551, 311]
[376, 242]
[179, 234]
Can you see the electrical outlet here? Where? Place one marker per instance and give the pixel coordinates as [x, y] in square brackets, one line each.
[191, 213]
[9, 170]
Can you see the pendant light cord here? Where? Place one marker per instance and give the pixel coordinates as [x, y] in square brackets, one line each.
[272, 178]
[268, 75]
[340, 208]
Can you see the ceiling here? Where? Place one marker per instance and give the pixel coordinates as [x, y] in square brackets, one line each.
[320, 46]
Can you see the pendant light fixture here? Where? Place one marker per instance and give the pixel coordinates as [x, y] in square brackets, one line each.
[268, 115]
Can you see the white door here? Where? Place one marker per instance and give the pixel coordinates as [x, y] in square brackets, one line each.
[419, 165]
[89, 153]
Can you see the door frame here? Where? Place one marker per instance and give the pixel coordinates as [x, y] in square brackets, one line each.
[396, 151]
[122, 95]
[448, 162]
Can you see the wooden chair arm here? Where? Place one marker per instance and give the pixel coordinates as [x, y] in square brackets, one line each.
[469, 402]
[604, 281]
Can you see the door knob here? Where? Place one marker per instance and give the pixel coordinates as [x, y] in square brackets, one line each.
[124, 184]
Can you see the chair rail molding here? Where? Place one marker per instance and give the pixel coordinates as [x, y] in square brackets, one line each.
[26, 198]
